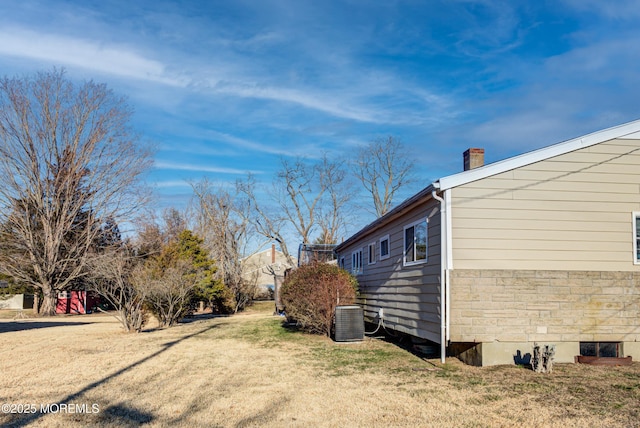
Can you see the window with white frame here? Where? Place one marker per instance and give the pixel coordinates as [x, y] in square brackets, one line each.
[356, 262]
[372, 254]
[341, 262]
[636, 237]
[384, 247]
[415, 243]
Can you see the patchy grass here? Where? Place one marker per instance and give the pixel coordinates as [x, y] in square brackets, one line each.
[248, 370]
[9, 314]
[349, 359]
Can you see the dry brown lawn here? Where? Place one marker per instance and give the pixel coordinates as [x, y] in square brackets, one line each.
[247, 370]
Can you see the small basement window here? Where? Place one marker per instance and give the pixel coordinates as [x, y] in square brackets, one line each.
[600, 349]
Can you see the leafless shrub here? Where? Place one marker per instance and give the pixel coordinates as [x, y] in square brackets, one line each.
[168, 292]
[112, 279]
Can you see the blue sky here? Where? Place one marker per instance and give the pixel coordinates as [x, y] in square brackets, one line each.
[226, 87]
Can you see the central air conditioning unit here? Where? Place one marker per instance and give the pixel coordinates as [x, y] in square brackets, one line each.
[349, 324]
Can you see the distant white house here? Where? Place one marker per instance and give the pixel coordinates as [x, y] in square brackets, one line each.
[542, 247]
[262, 267]
[16, 301]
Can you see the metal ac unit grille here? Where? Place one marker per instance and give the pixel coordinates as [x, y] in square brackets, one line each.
[349, 324]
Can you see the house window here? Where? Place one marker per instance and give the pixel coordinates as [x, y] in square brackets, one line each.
[415, 243]
[372, 253]
[636, 237]
[341, 262]
[600, 349]
[356, 262]
[384, 247]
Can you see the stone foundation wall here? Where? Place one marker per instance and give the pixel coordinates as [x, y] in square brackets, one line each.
[544, 306]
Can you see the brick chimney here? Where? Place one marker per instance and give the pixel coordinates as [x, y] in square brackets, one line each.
[473, 158]
[273, 254]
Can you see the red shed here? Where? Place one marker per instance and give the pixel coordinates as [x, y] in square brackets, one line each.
[76, 302]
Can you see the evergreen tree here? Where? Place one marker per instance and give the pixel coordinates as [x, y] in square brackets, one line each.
[190, 247]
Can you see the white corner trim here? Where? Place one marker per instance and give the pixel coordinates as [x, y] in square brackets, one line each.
[448, 229]
[634, 216]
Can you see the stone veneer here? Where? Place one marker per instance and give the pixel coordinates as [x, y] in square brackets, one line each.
[498, 306]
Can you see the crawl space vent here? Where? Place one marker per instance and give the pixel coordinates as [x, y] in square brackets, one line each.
[349, 324]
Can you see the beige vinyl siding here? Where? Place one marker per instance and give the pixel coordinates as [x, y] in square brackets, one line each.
[570, 212]
[409, 295]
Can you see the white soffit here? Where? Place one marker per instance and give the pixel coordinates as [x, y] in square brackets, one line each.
[629, 130]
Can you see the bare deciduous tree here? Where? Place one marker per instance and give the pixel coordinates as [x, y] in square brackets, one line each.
[155, 233]
[266, 223]
[332, 216]
[175, 223]
[170, 294]
[298, 191]
[68, 161]
[383, 167]
[223, 221]
[111, 278]
[308, 197]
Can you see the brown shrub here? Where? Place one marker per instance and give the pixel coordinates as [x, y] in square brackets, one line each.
[311, 293]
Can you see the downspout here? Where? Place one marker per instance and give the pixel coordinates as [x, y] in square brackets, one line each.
[449, 257]
[443, 272]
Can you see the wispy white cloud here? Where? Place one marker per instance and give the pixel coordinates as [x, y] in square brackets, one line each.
[124, 61]
[360, 97]
[619, 9]
[237, 142]
[315, 101]
[176, 166]
[171, 183]
[491, 28]
[244, 66]
[227, 87]
[612, 59]
[567, 95]
[111, 59]
[188, 183]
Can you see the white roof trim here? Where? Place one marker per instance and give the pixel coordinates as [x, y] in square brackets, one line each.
[634, 136]
[629, 130]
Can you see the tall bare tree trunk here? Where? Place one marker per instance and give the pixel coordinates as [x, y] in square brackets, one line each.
[49, 302]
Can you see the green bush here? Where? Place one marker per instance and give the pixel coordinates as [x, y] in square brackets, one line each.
[311, 293]
[10, 288]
